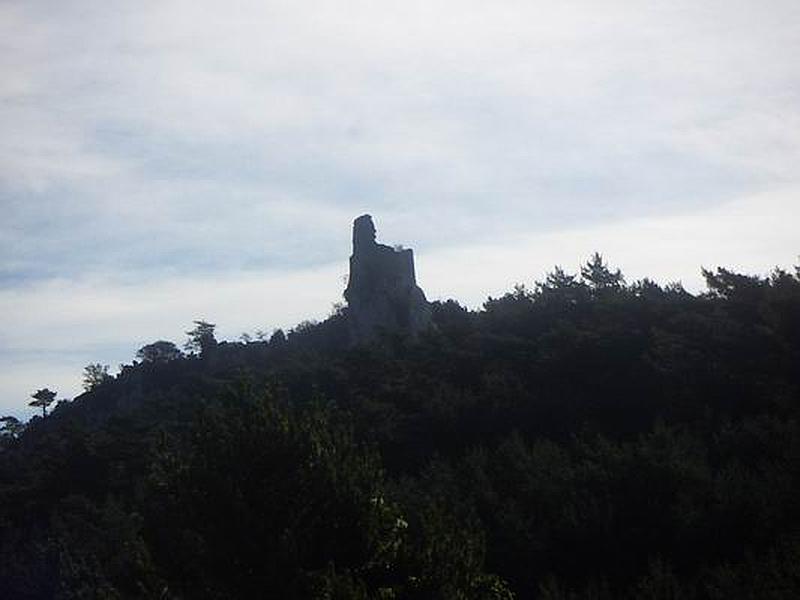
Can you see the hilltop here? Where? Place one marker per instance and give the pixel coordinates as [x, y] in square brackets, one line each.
[583, 437]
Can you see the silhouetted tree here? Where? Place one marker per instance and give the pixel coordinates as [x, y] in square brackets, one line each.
[95, 375]
[303, 326]
[159, 352]
[561, 290]
[582, 438]
[11, 427]
[43, 398]
[278, 338]
[201, 338]
[599, 277]
[735, 286]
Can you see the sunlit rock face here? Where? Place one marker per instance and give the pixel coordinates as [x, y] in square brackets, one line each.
[382, 292]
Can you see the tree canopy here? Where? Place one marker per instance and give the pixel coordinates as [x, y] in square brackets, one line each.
[94, 375]
[42, 399]
[582, 437]
[201, 338]
[159, 352]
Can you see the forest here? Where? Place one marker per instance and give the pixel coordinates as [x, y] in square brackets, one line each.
[581, 437]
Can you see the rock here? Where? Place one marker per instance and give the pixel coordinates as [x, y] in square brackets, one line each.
[382, 292]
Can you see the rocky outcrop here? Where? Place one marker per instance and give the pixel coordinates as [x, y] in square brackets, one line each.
[382, 292]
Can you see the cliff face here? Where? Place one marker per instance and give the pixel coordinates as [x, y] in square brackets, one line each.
[382, 291]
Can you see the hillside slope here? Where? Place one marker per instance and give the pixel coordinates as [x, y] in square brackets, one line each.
[584, 438]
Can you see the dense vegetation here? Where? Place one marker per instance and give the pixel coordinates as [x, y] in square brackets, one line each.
[583, 438]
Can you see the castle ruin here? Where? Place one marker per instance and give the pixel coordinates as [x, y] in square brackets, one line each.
[382, 292]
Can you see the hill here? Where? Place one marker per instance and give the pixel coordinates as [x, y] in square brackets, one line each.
[582, 438]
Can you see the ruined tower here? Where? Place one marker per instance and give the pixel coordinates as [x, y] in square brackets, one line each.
[382, 292]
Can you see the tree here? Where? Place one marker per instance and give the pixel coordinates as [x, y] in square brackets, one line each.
[278, 338]
[11, 427]
[599, 277]
[201, 338]
[95, 375]
[338, 309]
[159, 352]
[561, 289]
[303, 326]
[43, 398]
[735, 287]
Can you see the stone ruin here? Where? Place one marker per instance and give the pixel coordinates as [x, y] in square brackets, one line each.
[382, 292]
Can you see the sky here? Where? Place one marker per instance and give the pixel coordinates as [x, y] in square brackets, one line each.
[165, 161]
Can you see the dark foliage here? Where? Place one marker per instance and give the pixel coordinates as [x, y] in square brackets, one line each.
[95, 375]
[201, 339]
[582, 438]
[158, 352]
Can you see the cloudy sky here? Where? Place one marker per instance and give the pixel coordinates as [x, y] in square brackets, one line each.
[167, 160]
